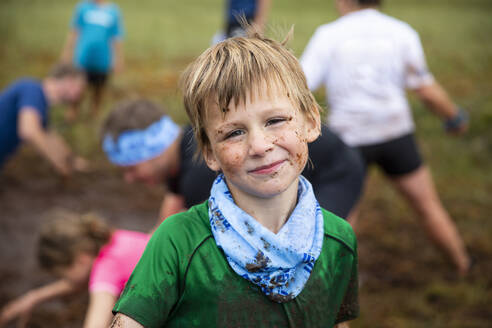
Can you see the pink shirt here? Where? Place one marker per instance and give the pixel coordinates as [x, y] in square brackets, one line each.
[116, 260]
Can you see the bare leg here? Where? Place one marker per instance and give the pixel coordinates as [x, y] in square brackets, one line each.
[419, 189]
[97, 95]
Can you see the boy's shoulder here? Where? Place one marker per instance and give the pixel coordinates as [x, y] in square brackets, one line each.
[340, 230]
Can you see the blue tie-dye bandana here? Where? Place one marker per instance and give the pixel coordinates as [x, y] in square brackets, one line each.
[136, 146]
[280, 264]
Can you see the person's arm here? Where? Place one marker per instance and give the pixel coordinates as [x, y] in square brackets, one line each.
[21, 307]
[171, 204]
[49, 144]
[428, 90]
[117, 33]
[118, 55]
[99, 311]
[438, 101]
[261, 15]
[122, 321]
[67, 51]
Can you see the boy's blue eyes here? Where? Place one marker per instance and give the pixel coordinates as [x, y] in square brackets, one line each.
[239, 132]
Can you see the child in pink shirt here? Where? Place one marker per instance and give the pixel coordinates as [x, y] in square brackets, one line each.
[115, 262]
[81, 250]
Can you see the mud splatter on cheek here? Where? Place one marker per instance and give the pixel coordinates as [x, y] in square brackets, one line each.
[278, 140]
[300, 159]
[300, 137]
[230, 157]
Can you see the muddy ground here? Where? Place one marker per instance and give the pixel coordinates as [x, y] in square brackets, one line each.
[404, 280]
[27, 195]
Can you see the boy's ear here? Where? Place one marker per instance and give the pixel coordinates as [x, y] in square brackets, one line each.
[313, 126]
[210, 159]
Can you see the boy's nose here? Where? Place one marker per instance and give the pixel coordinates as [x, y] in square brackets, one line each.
[259, 143]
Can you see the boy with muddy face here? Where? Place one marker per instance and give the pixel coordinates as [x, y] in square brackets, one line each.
[260, 252]
[149, 148]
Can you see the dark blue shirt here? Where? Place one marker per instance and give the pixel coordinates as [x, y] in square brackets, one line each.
[22, 93]
[239, 8]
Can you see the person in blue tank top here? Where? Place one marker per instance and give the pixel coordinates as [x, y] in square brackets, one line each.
[24, 107]
[94, 45]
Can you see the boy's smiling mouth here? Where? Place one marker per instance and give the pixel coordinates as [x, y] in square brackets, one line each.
[267, 169]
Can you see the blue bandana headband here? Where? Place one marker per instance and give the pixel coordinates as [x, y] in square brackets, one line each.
[136, 146]
[280, 264]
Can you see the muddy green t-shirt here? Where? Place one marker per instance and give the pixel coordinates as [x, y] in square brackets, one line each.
[184, 280]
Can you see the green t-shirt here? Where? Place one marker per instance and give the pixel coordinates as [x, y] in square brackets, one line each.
[184, 280]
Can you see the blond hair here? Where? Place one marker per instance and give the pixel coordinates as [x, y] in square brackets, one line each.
[236, 68]
[68, 234]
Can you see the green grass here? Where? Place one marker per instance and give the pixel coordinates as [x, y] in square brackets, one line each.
[405, 287]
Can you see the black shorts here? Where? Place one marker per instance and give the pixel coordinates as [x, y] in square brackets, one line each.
[396, 157]
[96, 79]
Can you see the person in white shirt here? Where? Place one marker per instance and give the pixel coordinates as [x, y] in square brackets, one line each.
[366, 60]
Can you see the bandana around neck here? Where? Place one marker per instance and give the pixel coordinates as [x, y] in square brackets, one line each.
[136, 146]
[280, 264]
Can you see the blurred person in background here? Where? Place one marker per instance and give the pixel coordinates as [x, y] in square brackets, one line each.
[254, 12]
[94, 44]
[24, 116]
[139, 137]
[366, 60]
[83, 252]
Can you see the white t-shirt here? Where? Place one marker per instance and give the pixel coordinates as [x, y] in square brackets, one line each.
[366, 59]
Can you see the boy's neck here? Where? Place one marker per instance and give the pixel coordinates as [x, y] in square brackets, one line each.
[272, 213]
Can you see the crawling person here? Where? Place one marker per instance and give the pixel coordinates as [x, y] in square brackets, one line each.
[24, 116]
[260, 252]
[82, 251]
[140, 138]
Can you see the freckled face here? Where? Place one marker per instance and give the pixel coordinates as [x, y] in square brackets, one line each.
[260, 146]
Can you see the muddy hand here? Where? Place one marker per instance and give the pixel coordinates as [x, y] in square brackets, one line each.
[81, 164]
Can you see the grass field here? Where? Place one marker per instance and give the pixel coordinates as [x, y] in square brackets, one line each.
[406, 283]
